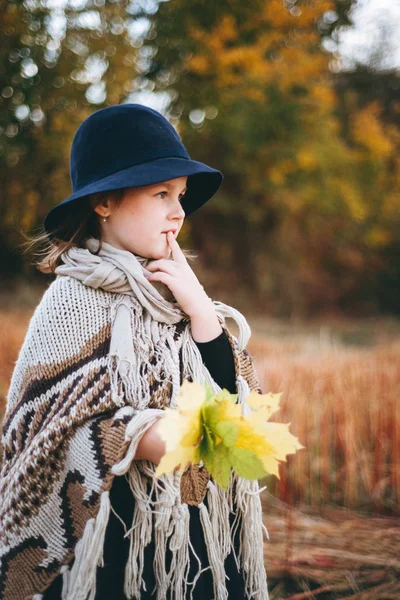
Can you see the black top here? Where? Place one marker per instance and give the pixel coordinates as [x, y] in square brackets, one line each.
[218, 358]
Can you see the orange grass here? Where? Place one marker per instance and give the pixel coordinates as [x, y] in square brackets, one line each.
[13, 326]
[344, 406]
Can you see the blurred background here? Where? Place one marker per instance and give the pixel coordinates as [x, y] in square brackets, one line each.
[297, 102]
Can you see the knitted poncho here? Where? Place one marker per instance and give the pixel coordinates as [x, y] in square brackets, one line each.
[69, 429]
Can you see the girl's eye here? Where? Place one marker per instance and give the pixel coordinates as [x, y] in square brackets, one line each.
[164, 193]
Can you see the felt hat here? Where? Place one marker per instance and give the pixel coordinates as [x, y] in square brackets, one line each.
[128, 145]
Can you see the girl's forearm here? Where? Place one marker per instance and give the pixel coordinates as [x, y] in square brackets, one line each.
[205, 325]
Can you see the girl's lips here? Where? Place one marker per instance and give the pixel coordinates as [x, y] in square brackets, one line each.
[175, 232]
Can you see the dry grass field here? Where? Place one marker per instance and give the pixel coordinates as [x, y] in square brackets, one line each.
[330, 553]
[332, 517]
[343, 402]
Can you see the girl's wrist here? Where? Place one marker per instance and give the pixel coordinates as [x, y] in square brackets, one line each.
[205, 326]
[202, 309]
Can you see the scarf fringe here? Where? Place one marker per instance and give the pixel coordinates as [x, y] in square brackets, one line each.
[218, 508]
[150, 351]
[80, 582]
[251, 539]
[214, 553]
[250, 509]
[139, 534]
[65, 575]
[179, 546]
[171, 519]
[159, 512]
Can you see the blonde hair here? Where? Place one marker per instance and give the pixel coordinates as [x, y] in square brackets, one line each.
[77, 226]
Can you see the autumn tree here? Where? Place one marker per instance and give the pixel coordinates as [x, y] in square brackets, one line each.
[58, 63]
[300, 213]
[307, 216]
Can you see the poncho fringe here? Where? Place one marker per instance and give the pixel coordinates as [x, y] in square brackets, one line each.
[69, 429]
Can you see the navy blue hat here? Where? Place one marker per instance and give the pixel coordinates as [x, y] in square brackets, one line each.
[128, 145]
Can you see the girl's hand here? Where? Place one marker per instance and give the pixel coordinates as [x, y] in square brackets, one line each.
[151, 446]
[181, 280]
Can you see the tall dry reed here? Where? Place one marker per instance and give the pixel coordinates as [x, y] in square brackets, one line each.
[344, 405]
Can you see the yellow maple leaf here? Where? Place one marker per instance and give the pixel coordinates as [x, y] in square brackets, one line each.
[191, 397]
[267, 403]
[270, 441]
[227, 411]
[176, 459]
[250, 440]
[180, 428]
[169, 426]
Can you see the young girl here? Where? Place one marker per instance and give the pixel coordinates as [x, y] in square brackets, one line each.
[123, 323]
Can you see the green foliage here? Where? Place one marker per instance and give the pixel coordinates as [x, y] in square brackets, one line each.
[246, 463]
[218, 463]
[228, 433]
[46, 89]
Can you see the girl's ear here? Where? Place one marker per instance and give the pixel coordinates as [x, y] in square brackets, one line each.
[103, 205]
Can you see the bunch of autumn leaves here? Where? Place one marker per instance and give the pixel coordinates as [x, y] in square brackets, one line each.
[211, 428]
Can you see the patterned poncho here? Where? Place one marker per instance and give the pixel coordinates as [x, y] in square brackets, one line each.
[69, 429]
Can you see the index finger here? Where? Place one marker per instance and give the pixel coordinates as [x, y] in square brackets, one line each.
[177, 253]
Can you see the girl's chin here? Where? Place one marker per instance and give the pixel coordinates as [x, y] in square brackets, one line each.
[157, 255]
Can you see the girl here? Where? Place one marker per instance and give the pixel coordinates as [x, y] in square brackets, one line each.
[121, 326]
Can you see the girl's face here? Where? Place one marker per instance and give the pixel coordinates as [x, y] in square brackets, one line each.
[140, 221]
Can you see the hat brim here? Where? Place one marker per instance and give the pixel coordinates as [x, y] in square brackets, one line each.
[202, 184]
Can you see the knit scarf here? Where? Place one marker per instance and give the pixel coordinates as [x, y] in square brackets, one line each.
[97, 400]
[123, 272]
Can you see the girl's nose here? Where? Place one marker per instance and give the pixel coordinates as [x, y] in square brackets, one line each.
[178, 211]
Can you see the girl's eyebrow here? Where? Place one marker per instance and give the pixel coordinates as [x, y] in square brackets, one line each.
[169, 185]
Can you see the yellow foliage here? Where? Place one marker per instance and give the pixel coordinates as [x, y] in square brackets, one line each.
[306, 159]
[182, 429]
[199, 64]
[370, 132]
[275, 12]
[227, 29]
[378, 236]
[353, 198]
[272, 442]
[277, 172]
[324, 95]
[291, 61]
[255, 94]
